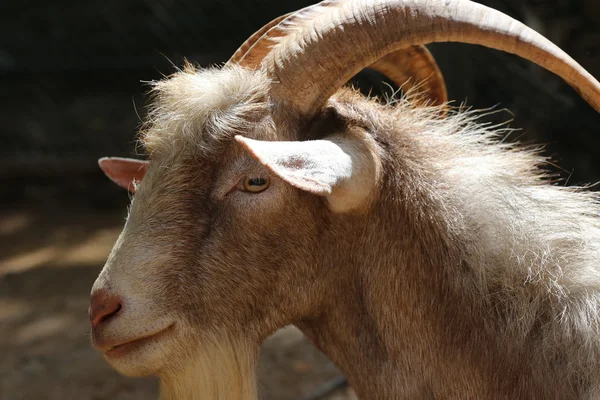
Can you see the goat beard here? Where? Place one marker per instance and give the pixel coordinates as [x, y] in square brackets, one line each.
[219, 368]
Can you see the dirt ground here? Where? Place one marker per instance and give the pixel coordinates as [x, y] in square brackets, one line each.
[49, 258]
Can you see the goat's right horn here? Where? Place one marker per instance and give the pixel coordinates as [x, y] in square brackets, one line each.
[257, 46]
[407, 68]
[336, 39]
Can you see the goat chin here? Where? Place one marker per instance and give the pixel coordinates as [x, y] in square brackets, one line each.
[220, 368]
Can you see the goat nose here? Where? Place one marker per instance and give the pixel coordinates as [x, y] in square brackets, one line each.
[103, 306]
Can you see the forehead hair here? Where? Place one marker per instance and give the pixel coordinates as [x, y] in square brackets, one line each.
[197, 111]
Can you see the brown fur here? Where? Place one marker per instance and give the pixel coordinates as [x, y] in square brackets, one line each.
[467, 277]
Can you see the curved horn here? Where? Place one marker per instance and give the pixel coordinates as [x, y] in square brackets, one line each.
[257, 46]
[335, 39]
[407, 68]
[411, 67]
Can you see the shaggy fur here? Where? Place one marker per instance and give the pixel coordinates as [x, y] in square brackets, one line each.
[470, 276]
[214, 104]
[221, 369]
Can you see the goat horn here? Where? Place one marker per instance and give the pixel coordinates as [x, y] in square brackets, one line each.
[409, 67]
[330, 42]
[257, 46]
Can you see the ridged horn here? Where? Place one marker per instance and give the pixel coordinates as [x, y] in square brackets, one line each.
[256, 47]
[407, 68]
[330, 42]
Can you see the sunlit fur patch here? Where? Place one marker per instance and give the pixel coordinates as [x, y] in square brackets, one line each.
[197, 110]
[532, 245]
[218, 368]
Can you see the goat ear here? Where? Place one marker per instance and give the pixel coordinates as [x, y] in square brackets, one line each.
[343, 170]
[124, 171]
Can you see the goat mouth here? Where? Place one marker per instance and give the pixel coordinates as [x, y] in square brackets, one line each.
[128, 347]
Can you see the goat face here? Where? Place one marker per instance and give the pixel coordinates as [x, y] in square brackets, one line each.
[215, 243]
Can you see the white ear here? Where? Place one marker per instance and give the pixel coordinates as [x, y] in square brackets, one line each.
[344, 170]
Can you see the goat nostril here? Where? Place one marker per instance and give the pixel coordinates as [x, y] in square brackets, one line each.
[103, 307]
[107, 316]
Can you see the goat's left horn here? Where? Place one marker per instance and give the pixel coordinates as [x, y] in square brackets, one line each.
[330, 42]
[407, 68]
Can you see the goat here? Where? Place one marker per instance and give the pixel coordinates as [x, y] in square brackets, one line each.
[424, 256]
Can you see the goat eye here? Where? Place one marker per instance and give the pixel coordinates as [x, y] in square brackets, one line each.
[256, 185]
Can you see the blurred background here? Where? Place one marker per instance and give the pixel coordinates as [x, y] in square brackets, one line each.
[72, 90]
